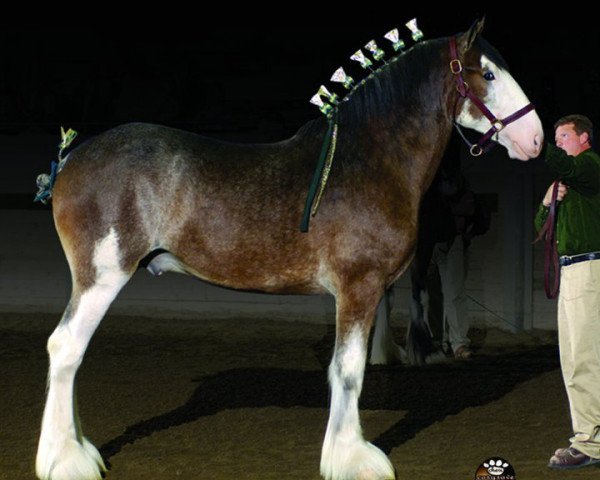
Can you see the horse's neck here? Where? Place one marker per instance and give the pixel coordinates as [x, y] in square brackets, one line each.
[408, 144]
[403, 140]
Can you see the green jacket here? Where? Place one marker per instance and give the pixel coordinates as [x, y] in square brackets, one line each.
[578, 223]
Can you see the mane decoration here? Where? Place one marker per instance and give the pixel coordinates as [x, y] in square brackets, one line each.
[329, 108]
[332, 100]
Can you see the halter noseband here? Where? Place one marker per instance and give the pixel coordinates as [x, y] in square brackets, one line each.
[485, 142]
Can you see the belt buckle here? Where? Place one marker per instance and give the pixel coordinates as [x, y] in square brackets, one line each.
[565, 261]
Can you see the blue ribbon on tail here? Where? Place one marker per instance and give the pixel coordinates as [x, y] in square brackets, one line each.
[45, 184]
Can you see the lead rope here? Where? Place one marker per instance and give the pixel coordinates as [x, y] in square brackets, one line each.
[548, 234]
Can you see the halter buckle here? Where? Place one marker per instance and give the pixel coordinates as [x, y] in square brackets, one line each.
[476, 150]
[497, 125]
[462, 89]
[456, 66]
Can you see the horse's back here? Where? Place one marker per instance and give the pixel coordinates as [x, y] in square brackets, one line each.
[142, 146]
[199, 198]
[157, 165]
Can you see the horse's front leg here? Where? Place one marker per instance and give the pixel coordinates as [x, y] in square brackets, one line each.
[346, 455]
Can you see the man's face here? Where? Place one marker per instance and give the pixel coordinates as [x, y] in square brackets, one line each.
[566, 138]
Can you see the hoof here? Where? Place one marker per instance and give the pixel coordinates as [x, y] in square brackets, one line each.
[357, 461]
[394, 355]
[75, 461]
[436, 357]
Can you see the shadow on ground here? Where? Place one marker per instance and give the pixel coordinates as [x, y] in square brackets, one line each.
[428, 394]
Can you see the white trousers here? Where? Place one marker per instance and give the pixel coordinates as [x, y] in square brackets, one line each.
[452, 265]
[579, 341]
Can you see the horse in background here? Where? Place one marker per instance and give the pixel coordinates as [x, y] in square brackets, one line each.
[229, 214]
[449, 212]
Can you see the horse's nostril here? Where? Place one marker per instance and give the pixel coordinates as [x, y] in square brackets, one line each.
[536, 141]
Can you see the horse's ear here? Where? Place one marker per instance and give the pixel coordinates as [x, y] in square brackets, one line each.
[467, 38]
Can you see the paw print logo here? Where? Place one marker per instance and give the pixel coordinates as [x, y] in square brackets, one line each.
[495, 467]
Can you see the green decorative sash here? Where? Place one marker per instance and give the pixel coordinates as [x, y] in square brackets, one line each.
[321, 174]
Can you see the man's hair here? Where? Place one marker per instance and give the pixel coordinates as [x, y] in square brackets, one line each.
[581, 124]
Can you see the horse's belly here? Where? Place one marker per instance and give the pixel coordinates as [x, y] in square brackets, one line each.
[241, 272]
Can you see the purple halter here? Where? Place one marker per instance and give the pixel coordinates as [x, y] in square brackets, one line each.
[485, 142]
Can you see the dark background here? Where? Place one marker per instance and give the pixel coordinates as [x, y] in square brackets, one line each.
[253, 82]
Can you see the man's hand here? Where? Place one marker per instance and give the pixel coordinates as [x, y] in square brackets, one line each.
[562, 191]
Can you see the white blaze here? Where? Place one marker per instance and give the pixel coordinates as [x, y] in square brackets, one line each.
[522, 138]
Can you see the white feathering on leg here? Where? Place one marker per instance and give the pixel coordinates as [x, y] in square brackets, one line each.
[345, 454]
[61, 455]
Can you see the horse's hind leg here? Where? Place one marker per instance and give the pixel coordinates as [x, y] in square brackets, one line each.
[63, 452]
[384, 350]
[419, 343]
[346, 455]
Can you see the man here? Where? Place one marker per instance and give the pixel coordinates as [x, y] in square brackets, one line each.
[578, 242]
[448, 312]
[446, 276]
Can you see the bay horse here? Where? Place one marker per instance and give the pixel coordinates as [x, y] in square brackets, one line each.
[420, 348]
[436, 225]
[229, 214]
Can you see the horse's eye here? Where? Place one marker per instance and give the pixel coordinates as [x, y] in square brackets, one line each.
[489, 76]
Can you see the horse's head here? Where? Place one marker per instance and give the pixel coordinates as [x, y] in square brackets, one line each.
[514, 125]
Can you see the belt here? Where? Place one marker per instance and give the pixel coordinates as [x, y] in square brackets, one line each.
[569, 260]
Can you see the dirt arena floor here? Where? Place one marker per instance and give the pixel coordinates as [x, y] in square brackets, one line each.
[248, 399]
